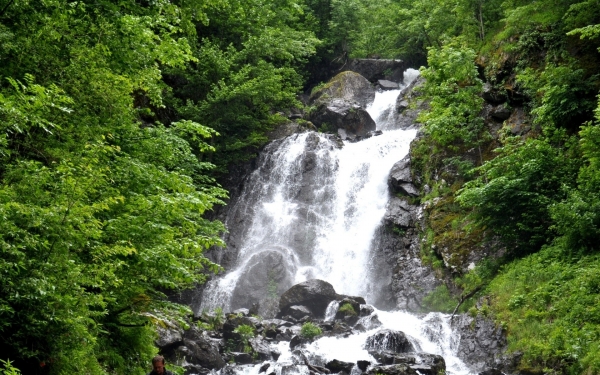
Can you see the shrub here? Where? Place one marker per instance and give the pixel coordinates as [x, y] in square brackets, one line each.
[310, 330]
[347, 309]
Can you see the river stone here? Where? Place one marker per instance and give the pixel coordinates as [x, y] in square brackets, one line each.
[363, 365]
[261, 349]
[196, 350]
[343, 114]
[314, 294]
[349, 86]
[336, 366]
[401, 369]
[388, 85]
[387, 339]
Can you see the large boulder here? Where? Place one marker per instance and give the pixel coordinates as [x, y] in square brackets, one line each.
[196, 350]
[390, 340]
[347, 118]
[340, 106]
[266, 275]
[348, 86]
[314, 294]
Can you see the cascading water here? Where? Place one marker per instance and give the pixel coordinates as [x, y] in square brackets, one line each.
[310, 211]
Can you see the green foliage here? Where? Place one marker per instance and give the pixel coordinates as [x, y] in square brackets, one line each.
[453, 87]
[514, 192]
[310, 330]
[245, 333]
[347, 309]
[8, 369]
[440, 299]
[549, 303]
[213, 321]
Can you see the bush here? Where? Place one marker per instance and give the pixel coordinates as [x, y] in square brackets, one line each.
[347, 309]
[310, 330]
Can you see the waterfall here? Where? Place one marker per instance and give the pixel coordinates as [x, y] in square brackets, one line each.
[310, 210]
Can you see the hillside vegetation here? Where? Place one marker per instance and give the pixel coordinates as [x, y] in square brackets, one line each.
[118, 117]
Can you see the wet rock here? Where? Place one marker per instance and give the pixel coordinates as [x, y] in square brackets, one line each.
[409, 105]
[263, 269]
[392, 370]
[242, 358]
[264, 367]
[482, 343]
[260, 348]
[366, 310]
[399, 213]
[314, 294]
[387, 339]
[336, 366]
[363, 365]
[400, 179]
[198, 350]
[168, 337]
[384, 84]
[345, 115]
[299, 312]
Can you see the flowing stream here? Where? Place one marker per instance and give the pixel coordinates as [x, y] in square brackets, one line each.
[310, 210]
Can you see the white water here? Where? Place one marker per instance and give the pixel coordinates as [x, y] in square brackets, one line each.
[346, 203]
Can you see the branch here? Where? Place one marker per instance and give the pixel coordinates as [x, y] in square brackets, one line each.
[464, 298]
[6, 7]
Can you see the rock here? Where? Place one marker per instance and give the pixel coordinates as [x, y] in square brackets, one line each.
[260, 348]
[299, 312]
[289, 128]
[392, 370]
[314, 294]
[344, 313]
[481, 342]
[263, 269]
[388, 85]
[399, 213]
[375, 69]
[336, 366]
[242, 358]
[264, 367]
[492, 95]
[501, 112]
[345, 115]
[400, 179]
[168, 337]
[362, 365]
[387, 339]
[366, 310]
[197, 350]
[232, 322]
[348, 86]
[406, 115]
[519, 122]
